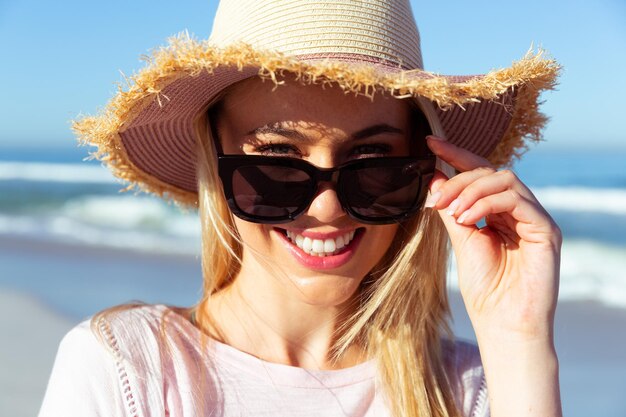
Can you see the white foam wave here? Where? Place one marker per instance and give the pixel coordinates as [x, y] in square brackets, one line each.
[64, 229]
[139, 223]
[139, 240]
[589, 271]
[583, 199]
[122, 211]
[46, 172]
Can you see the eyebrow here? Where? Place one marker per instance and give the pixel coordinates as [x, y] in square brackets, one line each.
[280, 130]
[376, 130]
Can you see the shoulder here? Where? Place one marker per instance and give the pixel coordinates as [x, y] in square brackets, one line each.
[467, 376]
[84, 378]
[144, 338]
[80, 348]
[127, 325]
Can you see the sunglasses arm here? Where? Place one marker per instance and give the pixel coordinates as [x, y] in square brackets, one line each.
[445, 167]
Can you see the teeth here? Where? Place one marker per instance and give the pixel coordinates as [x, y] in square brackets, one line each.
[329, 245]
[319, 247]
[307, 244]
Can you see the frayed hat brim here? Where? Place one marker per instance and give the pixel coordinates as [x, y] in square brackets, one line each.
[146, 133]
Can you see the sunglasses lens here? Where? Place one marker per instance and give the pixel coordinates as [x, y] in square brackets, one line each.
[382, 192]
[270, 192]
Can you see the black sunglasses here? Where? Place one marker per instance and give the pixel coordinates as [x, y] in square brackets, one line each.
[272, 190]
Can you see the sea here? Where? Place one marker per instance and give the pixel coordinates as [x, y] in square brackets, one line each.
[56, 195]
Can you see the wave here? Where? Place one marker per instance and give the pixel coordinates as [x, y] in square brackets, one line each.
[583, 199]
[55, 172]
[590, 270]
[129, 212]
[131, 222]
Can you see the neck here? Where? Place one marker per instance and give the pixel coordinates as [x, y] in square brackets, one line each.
[261, 320]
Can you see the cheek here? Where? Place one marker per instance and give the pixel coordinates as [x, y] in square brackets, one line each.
[253, 235]
[380, 239]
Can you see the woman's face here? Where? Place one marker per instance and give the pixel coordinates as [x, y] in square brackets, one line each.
[322, 256]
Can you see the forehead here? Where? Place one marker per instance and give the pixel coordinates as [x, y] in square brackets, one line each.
[254, 102]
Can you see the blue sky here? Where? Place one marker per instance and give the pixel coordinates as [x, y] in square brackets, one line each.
[61, 59]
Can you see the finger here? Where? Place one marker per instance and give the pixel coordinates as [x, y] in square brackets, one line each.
[511, 203]
[455, 230]
[516, 218]
[506, 226]
[458, 232]
[445, 191]
[459, 158]
[461, 192]
[438, 180]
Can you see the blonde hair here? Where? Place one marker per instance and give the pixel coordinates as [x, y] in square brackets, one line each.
[403, 309]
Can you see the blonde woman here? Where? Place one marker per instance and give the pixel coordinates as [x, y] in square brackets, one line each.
[322, 161]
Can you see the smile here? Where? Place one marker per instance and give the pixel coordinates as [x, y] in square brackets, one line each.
[321, 247]
[321, 251]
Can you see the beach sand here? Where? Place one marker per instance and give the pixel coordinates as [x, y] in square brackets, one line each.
[30, 333]
[46, 289]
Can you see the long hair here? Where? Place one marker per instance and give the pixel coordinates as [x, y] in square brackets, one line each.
[403, 310]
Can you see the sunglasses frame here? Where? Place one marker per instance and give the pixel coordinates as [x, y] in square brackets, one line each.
[228, 164]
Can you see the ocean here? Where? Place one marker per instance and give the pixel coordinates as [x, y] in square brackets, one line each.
[52, 195]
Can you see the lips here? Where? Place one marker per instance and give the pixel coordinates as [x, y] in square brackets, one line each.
[322, 255]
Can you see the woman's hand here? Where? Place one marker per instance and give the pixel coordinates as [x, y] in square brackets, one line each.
[509, 269]
[508, 276]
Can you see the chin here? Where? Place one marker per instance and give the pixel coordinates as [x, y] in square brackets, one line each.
[325, 290]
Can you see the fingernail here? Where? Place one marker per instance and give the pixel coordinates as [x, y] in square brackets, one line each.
[462, 217]
[453, 206]
[432, 199]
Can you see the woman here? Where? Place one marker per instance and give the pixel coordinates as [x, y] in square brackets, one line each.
[324, 268]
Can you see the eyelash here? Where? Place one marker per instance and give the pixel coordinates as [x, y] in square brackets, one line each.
[270, 149]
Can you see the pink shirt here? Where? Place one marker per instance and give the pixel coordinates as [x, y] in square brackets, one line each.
[155, 365]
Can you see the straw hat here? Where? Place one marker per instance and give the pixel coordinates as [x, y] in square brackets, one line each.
[146, 134]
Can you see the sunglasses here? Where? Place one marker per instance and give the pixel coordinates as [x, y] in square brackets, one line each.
[273, 190]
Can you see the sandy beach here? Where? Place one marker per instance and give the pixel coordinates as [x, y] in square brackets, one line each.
[46, 289]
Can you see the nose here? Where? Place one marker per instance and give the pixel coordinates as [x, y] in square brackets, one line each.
[326, 207]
